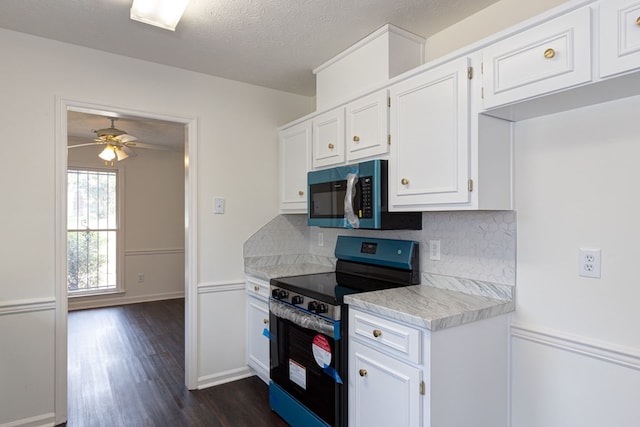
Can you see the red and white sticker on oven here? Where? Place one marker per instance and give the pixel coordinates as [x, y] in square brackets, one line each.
[321, 351]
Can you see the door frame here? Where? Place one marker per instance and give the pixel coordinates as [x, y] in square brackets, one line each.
[190, 244]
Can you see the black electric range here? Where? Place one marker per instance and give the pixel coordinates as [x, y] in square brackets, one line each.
[307, 328]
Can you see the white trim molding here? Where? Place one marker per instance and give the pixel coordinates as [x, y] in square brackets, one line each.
[82, 303]
[190, 251]
[27, 305]
[213, 287]
[224, 377]
[603, 351]
[166, 251]
[37, 421]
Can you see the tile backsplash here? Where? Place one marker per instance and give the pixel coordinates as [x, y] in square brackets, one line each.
[479, 246]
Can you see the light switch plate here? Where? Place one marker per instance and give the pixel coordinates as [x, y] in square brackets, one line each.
[218, 205]
[434, 250]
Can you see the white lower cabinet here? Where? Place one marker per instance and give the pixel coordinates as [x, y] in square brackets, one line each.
[257, 322]
[402, 375]
[386, 392]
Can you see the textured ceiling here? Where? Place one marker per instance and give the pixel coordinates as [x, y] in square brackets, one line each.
[271, 43]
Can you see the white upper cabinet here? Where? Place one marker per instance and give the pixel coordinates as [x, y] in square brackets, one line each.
[546, 58]
[328, 138]
[619, 36]
[429, 121]
[295, 162]
[367, 127]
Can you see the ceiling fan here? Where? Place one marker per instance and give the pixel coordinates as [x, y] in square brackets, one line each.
[118, 143]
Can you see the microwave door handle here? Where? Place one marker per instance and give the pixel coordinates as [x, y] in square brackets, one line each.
[351, 218]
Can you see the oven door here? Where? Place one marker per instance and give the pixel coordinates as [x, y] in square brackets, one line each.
[306, 362]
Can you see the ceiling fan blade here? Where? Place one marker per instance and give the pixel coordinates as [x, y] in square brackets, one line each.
[129, 151]
[125, 138]
[85, 144]
[157, 147]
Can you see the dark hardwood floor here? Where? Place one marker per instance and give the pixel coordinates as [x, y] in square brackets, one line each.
[126, 368]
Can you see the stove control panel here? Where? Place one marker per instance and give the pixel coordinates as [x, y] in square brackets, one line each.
[303, 302]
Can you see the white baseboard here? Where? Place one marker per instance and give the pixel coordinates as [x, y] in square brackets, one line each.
[108, 301]
[44, 420]
[603, 351]
[224, 377]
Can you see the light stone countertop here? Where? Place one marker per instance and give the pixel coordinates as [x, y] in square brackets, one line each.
[429, 307]
[284, 270]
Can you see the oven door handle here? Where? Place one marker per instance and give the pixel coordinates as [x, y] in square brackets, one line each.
[305, 319]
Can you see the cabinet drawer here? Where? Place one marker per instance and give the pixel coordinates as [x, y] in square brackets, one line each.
[386, 335]
[619, 36]
[549, 57]
[257, 288]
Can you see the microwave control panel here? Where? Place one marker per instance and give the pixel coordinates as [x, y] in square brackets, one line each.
[366, 203]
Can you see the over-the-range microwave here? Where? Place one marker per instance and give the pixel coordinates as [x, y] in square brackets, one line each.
[355, 196]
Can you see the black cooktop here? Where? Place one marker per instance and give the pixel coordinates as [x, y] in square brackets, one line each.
[363, 264]
[321, 286]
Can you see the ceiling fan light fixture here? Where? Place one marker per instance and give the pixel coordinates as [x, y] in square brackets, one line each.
[108, 154]
[160, 13]
[121, 154]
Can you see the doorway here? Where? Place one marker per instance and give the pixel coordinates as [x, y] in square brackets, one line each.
[64, 110]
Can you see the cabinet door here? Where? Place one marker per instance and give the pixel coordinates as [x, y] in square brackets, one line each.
[383, 392]
[295, 162]
[367, 126]
[619, 36]
[429, 155]
[328, 138]
[549, 57]
[257, 343]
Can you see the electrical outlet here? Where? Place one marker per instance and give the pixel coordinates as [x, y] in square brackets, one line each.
[320, 238]
[434, 250]
[140, 277]
[589, 262]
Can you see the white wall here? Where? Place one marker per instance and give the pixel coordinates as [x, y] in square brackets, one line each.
[576, 187]
[499, 16]
[153, 225]
[237, 159]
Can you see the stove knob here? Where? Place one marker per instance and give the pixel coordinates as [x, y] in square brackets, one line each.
[322, 308]
[312, 306]
[282, 294]
[274, 293]
[297, 299]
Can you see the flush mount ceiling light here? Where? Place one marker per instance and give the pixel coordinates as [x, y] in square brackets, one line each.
[160, 13]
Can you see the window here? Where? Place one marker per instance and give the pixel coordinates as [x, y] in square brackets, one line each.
[92, 231]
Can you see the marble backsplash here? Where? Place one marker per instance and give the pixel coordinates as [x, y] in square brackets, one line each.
[478, 249]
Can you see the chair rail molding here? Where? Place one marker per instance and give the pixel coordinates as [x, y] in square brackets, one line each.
[607, 352]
